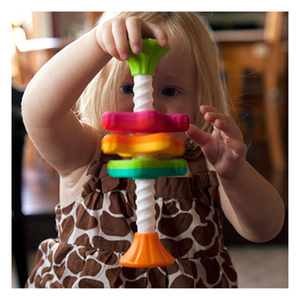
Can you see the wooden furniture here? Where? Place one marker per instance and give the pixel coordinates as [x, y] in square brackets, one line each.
[264, 52]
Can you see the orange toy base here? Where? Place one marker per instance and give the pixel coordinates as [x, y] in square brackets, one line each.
[146, 251]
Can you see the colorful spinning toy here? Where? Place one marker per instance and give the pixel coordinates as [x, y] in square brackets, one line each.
[149, 139]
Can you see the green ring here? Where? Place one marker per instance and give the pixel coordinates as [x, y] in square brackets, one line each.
[146, 168]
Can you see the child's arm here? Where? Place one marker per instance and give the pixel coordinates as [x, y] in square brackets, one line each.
[54, 129]
[251, 203]
[56, 132]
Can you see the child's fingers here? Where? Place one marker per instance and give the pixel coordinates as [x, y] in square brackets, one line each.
[198, 135]
[120, 38]
[211, 116]
[138, 29]
[106, 39]
[151, 30]
[222, 122]
[239, 148]
[134, 31]
[113, 36]
[206, 108]
[109, 45]
[229, 129]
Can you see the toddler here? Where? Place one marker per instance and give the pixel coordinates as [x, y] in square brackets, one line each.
[96, 214]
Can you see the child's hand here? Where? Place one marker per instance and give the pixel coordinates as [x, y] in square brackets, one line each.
[113, 36]
[224, 148]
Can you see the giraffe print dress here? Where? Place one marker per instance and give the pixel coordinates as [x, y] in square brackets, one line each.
[98, 228]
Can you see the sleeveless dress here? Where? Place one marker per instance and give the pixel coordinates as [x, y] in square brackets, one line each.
[98, 228]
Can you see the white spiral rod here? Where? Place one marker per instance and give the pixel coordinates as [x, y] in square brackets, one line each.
[145, 203]
[143, 90]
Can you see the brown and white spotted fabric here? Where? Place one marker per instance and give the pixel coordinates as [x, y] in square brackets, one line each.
[96, 230]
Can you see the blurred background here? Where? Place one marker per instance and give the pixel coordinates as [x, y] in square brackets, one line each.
[254, 63]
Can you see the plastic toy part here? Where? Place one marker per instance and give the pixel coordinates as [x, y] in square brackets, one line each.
[145, 205]
[146, 251]
[143, 90]
[148, 121]
[147, 60]
[146, 144]
[146, 168]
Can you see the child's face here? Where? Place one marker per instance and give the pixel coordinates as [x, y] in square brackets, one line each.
[174, 85]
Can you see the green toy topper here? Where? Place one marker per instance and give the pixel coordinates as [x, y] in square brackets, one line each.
[147, 60]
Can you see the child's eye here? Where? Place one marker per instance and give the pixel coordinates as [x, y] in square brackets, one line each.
[126, 89]
[169, 92]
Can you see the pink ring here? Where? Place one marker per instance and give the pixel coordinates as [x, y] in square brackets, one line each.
[148, 121]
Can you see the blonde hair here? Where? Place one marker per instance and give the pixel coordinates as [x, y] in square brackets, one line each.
[101, 93]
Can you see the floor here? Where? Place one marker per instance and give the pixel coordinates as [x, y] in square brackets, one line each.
[260, 266]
